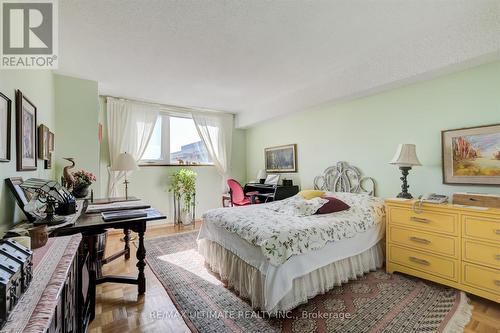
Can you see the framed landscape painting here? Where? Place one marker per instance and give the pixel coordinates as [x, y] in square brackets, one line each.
[5, 111]
[472, 155]
[25, 133]
[281, 158]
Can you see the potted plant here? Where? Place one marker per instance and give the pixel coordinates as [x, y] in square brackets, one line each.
[183, 186]
[83, 180]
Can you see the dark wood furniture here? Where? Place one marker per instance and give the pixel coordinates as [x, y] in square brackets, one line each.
[91, 225]
[53, 300]
[269, 193]
[226, 200]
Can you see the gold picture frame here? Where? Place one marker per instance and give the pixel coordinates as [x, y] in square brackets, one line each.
[43, 142]
[281, 159]
[471, 155]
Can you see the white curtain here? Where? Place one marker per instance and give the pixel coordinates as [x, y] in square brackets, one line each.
[216, 131]
[130, 126]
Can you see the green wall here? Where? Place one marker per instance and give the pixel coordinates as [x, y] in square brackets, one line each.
[77, 110]
[367, 130]
[38, 86]
[151, 182]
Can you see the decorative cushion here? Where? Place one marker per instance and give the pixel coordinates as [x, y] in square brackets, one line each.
[309, 194]
[298, 206]
[332, 206]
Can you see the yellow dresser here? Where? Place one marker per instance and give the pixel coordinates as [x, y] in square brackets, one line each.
[453, 245]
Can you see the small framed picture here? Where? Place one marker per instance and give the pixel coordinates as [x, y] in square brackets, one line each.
[5, 126]
[48, 162]
[43, 142]
[51, 142]
[471, 155]
[26, 140]
[281, 158]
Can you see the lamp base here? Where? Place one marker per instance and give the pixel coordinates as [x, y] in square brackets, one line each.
[404, 195]
[404, 187]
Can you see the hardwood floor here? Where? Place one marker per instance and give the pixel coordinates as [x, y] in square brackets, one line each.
[120, 310]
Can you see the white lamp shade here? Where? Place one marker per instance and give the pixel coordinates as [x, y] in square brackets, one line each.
[406, 155]
[125, 162]
[261, 174]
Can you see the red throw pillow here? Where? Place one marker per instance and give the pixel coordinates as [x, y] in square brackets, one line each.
[332, 206]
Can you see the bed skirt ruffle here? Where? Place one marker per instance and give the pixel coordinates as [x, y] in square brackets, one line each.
[249, 282]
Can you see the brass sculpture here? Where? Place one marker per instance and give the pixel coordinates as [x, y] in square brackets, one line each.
[67, 176]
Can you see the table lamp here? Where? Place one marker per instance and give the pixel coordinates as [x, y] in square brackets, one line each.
[261, 176]
[405, 158]
[125, 162]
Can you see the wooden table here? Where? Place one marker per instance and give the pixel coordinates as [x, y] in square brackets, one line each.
[91, 225]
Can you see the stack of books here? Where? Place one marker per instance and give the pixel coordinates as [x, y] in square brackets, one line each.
[123, 214]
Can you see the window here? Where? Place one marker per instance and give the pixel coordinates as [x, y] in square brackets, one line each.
[175, 141]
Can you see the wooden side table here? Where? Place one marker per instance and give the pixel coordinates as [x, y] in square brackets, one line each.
[226, 200]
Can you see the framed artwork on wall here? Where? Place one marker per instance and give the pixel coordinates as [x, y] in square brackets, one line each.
[281, 158]
[51, 147]
[43, 142]
[51, 142]
[5, 126]
[471, 155]
[48, 162]
[26, 141]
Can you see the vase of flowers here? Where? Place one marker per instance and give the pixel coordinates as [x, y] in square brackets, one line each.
[183, 187]
[83, 180]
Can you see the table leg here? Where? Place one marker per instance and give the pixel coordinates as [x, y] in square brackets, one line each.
[126, 239]
[91, 244]
[141, 255]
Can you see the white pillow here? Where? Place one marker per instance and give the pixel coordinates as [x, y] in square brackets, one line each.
[298, 206]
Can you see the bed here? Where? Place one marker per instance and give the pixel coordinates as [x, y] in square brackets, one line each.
[278, 258]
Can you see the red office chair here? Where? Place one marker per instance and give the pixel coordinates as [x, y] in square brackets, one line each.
[238, 197]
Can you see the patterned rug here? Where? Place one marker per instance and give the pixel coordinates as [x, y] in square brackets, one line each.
[378, 302]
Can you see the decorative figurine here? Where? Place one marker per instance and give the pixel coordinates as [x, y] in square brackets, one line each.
[68, 177]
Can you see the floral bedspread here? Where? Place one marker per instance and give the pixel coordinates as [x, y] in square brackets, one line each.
[281, 230]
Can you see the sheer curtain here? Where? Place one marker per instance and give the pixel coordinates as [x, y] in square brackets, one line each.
[130, 126]
[216, 132]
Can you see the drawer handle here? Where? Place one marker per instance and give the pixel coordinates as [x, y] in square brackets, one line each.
[421, 240]
[419, 219]
[497, 257]
[420, 261]
[497, 231]
[497, 282]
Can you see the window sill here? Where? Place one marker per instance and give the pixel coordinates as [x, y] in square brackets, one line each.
[173, 165]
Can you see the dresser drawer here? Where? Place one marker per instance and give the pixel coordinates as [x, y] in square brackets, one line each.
[427, 221]
[430, 264]
[438, 244]
[481, 227]
[481, 253]
[481, 277]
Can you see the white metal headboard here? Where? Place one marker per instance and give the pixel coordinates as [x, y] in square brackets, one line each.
[343, 177]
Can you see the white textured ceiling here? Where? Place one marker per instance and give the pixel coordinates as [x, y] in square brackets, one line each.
[260, 58]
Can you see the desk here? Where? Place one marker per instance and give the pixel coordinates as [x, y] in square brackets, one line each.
[90, 225]
[271, 192]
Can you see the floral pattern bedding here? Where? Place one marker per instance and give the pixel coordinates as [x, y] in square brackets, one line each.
[288, 227]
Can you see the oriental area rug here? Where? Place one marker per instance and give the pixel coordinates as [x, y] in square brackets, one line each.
[377, 302]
